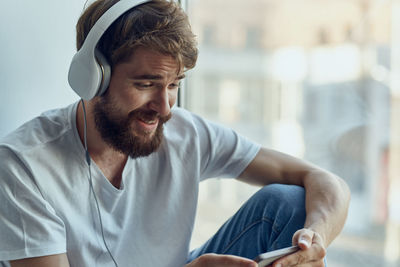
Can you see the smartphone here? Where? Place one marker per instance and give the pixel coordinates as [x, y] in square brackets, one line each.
[266, 259]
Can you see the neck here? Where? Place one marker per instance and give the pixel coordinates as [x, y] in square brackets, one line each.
[110, 161]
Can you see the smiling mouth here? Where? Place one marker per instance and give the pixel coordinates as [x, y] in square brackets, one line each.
[147, 121]
[146, 125]
[150, 122]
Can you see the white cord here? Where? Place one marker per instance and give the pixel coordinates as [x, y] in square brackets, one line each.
[88, 160]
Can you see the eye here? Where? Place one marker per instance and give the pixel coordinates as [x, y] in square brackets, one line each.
[174, 85]
[143, 85]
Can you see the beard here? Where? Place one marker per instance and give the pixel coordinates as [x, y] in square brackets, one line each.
[117, 131]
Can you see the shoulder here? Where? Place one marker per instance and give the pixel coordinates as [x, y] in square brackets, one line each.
[186, 120]
[181, 115]
[188, 128]
[37, 132]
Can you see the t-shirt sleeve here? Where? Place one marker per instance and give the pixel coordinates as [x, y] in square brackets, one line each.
[224, 153]
[29, 226]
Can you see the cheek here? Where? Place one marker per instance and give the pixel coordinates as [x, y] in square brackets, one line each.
[135, 101]
[129, 99]
[172, 97]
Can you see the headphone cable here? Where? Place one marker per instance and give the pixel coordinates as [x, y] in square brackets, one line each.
[88, 160]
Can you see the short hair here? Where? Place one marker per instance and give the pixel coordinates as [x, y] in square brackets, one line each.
[159, 24]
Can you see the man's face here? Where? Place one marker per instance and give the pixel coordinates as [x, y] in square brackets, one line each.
[130, 116]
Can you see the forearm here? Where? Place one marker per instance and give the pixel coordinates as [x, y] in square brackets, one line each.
[327, 196]
[327, 201]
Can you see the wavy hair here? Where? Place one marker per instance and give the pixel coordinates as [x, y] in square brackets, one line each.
[159, 24]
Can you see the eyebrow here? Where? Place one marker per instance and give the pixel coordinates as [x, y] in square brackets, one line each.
[154, 77]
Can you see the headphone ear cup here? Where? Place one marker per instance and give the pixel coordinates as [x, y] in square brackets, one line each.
[106, 72]
[85, 74]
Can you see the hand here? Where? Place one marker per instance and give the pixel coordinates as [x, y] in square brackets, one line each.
[311, 254]
[216, 260]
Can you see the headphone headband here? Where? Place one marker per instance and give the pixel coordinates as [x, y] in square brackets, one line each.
[89, 72]
[105, 21]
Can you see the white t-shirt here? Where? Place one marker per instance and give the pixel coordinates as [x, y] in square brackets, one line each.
[46, 206]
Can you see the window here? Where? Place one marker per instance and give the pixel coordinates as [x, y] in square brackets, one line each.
[315, 79]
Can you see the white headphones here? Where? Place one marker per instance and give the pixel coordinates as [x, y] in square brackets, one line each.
[89, 73]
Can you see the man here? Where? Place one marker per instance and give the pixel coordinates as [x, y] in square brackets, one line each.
[113, 181]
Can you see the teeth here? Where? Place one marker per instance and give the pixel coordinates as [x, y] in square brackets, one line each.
[149, 121]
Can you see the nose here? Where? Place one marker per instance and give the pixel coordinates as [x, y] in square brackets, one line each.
[161, 102]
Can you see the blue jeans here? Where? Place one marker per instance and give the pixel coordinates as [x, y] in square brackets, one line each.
[267, 221]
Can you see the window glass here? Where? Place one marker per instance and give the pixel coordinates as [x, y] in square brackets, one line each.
[318, 80]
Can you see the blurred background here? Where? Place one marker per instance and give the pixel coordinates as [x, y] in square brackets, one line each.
[37, 44]
[318, 79]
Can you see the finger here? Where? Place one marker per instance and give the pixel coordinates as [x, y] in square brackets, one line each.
[303, 238]
[311, 264]
[297, 258]
[315, 253]
[215, 260]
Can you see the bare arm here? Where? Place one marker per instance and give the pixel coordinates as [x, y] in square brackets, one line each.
[327, 196]
[59, 260]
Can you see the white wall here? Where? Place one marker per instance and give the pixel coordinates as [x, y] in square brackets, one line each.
[37, 41]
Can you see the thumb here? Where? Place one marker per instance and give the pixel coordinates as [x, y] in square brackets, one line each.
[304, 239]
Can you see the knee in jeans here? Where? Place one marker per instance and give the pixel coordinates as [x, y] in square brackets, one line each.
[287, 196]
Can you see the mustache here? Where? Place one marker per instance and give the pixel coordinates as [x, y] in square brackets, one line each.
[148, 115]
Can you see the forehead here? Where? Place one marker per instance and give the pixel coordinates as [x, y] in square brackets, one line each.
[149, 61]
